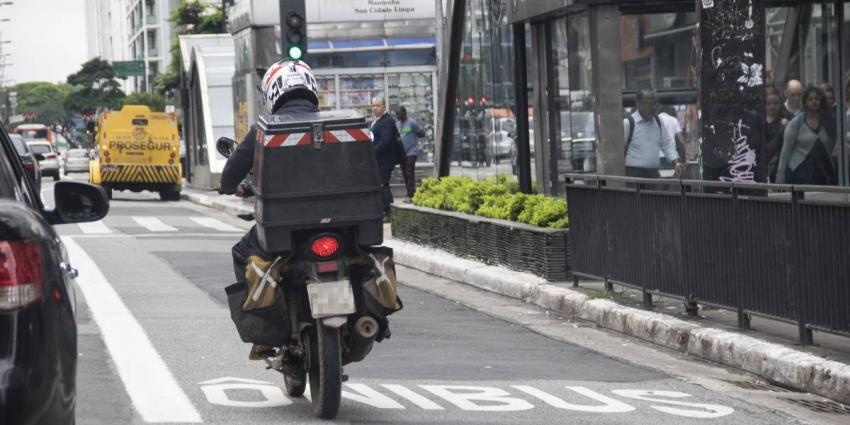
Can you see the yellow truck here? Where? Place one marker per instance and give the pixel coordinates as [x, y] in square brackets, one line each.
[137, 150]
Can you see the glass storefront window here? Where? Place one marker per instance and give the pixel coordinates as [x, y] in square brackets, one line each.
[327, 92]
[414, 91]
[802, 44]
[356, 91]
[484, 134]
[575, 150]
[658, 51]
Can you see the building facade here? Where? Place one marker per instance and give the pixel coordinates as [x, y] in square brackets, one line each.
[586, 59]
[358, 50]
[149, 37]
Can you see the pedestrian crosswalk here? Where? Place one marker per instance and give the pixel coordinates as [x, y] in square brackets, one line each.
[135, 225]
[153, 224]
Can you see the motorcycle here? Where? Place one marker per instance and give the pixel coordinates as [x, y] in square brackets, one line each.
[332, 298]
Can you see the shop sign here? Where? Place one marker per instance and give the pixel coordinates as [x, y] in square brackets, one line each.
[267, 13]
[369, 10]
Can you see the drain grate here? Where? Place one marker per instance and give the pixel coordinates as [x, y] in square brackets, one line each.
[821, 406]
[759, 386]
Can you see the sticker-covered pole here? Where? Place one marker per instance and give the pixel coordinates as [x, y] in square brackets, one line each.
[732, 89]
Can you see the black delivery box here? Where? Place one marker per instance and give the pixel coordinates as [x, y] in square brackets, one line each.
[316, 170]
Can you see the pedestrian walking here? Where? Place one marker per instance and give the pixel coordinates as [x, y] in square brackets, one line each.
[388, 148]
[410, 132]
[774, 128]
[809, 140]
[793, 98]
[645, 136]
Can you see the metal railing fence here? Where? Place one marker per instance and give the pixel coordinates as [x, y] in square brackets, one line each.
[778, 251]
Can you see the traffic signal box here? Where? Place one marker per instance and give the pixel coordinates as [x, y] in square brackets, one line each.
[294, 24]
[316, 171]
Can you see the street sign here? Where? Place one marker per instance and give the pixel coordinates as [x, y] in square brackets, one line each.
[123, 69]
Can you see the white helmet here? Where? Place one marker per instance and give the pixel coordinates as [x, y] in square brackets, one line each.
[287, 79]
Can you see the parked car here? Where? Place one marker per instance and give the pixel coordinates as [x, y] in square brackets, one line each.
[28, 160]
[500, 139]
[38, 332]
[76, 161]
[578, 141]
[49, 159]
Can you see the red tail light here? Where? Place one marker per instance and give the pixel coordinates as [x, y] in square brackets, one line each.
[20, 274]
[324, 246]
[29, 166]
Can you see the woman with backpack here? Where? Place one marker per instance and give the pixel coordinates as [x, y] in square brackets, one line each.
[808, 140]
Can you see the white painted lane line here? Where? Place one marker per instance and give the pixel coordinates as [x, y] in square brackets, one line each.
[94, 228]
[148, 381]
[215, 224]
[153, 224]
[414, 398]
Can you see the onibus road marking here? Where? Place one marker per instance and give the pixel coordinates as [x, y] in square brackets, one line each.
[152, 388]
[469, 398]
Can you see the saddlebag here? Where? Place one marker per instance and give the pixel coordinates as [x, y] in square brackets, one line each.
[268, 326]
[380, 288]
[316, 171]
[258, 306]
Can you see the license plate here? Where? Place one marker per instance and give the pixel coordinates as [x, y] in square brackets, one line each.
[330, 298]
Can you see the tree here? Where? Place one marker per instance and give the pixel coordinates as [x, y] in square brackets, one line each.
[93, 87]
[190, 17]
[155, 101]
[46, 100]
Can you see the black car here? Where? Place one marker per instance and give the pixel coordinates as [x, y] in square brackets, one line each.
[38, 332]
[29, 160]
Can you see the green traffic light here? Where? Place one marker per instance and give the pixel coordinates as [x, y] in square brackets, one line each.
[295, 52]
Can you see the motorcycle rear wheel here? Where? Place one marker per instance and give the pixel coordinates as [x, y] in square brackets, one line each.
[326, 372]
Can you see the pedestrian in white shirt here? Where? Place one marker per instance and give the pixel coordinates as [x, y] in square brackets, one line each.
[645, 135]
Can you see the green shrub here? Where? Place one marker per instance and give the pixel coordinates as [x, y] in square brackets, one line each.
[496, 197]
[543, 211]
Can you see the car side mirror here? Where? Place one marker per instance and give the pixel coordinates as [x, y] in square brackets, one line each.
[77, 202]
[225, 146]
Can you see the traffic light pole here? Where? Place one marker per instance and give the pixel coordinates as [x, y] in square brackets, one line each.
[293, 29]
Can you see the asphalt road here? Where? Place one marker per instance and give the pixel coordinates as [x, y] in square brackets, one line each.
[156, 345]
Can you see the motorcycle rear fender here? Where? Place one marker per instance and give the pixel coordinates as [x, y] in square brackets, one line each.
[335, 322]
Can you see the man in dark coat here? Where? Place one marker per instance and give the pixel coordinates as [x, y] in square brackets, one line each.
[389, 151]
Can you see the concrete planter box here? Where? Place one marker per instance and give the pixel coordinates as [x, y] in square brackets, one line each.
[518, 246]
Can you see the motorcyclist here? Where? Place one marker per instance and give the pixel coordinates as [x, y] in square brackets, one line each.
[287, 86]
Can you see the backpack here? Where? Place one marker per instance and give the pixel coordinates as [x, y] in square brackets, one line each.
[632, 128]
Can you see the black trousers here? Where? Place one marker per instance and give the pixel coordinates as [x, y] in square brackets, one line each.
[249, 245]
[385, 187]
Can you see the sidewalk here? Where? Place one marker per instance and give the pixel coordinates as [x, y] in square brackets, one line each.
[769, 350]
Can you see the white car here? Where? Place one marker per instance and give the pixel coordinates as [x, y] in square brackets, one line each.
[76, 161]
[48, 159]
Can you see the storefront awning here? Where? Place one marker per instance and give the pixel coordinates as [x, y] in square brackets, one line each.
[371, 44]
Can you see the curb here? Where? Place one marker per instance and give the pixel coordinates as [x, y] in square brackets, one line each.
[215, 201]
[768, 360]
[774, 362]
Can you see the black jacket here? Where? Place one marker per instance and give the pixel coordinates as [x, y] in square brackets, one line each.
[241, 161]
[388, 148]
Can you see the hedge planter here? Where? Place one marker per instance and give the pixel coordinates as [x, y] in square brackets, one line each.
[518, 246]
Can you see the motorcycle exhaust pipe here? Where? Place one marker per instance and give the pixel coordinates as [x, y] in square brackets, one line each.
[366, 327]
[362, 339]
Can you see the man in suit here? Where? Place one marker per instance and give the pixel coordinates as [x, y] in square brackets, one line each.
[388, 148]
